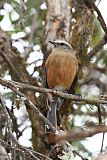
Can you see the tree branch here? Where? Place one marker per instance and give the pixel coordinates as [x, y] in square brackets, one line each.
[15, 86]
[80, 133]
[98, 47]
[19, 150]
[91, 5]
[10, 132]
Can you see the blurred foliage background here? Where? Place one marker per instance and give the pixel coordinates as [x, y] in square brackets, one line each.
[26, 28]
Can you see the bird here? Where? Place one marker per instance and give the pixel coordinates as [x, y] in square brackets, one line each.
[61, 68]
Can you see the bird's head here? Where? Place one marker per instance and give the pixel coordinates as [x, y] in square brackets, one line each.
[61, 45]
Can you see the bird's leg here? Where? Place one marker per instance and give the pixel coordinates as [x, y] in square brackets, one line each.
[49, 100]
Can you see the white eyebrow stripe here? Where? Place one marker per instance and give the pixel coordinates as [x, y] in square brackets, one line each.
[60, 41]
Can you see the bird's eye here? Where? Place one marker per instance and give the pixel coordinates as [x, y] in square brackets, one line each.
[62, 44]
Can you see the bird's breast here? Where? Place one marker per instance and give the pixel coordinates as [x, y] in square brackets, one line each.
[61, 68]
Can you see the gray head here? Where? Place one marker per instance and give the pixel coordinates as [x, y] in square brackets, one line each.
[61, 44]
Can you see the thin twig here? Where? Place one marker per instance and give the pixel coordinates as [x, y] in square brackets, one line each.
[39, 154]
[22, 10]
[6, 145]
[98, 47]
[102, 144]
[14, 88]
[92, 7]
[99, 114]
[99, 15]
[11, 66]
[10, 132]
[78, 154]
[34, 27]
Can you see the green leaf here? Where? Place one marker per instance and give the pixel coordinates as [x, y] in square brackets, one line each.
[1, 17]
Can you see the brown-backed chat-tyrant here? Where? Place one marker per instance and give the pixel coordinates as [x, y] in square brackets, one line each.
[61, 68]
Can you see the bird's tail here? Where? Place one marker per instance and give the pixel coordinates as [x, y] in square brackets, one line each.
[52, 114]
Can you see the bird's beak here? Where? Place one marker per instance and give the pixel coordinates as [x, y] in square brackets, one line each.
[52, 42]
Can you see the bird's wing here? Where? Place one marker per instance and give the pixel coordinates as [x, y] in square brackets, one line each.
[73, 85]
